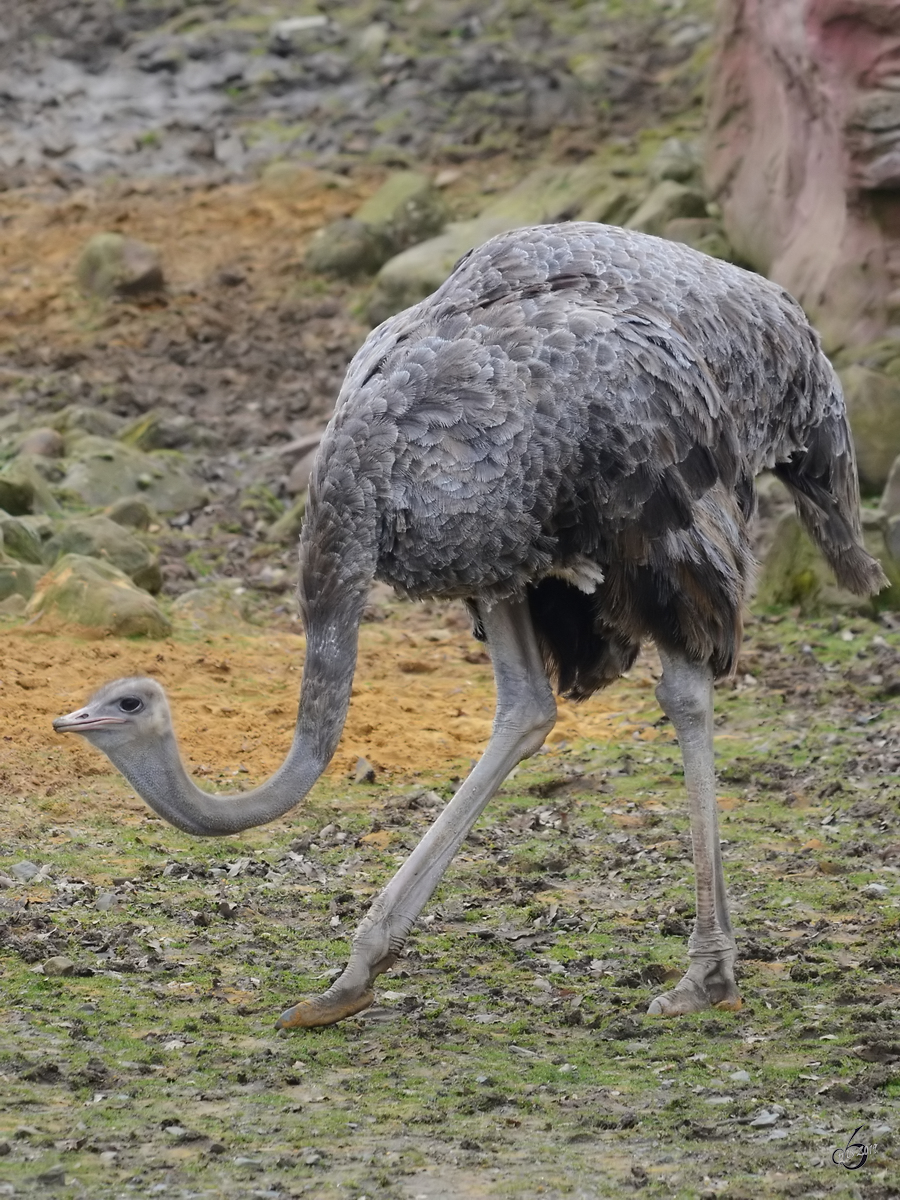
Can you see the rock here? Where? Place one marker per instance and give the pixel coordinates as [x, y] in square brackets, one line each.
[12, 606]
[676, 160]
[216, 606]
[890, 497]
[667, 202]
[75, 420]
[799, 159]
[165, 431]
[875, 891]
[406, 209]
[59, 965]
[101, 470]
[892, 537]
[873, 406]
[106, 901]
[414, 274]
[555, 194]
[101, 538]
[24, 871]
[47, 443]
[131, 511]
[365, 772]
[52, 1177]
[20, 540]
[98, 598]
[17, 580]
[23, 473]
[347, 249]
[701, 233]
[112, 264]
[16, 493]
[794, 572]
[298, 479]
[287, 527]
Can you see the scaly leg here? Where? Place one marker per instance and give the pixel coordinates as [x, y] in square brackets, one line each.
[525, 715]
[685, 693]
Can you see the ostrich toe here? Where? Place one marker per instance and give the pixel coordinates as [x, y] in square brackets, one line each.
[708, 983]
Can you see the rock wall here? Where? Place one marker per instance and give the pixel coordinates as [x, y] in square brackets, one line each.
[803, 154]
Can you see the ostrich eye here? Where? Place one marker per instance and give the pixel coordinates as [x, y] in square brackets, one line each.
[130, 704]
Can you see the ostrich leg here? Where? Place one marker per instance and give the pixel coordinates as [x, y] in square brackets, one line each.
[525, 715]
[685, 693]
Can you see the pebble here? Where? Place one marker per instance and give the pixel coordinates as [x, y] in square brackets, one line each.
[59, 965]
[365, 772]
[53, 1177]
[23, 871]
[106, 901]
[740, 1077]
[875, 891]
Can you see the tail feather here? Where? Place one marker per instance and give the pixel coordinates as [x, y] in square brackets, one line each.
[824, 485]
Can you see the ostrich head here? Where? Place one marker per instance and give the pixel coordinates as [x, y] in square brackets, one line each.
[121, 714]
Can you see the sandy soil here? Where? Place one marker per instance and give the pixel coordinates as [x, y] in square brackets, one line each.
[423, 700]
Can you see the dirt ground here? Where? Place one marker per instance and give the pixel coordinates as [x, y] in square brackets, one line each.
[423, 701]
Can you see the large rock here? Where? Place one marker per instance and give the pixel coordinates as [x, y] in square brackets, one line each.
[102, 538]
[873, 406]
[414, 274]
[347, 249]
[18, 578]
[668, 202]
[795, 574]
[112, 264]
[803, 154]
[97, 597]
[582, 192]
[23, 488]
[406, 209]
[215, 606]
[101, 470]
[21, 540]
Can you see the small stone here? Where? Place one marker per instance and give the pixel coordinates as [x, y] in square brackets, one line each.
[53, 1177]
[106, 901]
[24, 871]
[875, 891]
[740, 1077]
[365, 772]
[5, 1148]
[217, 1148]
[59, 965]
[44, 442]
[114, 265]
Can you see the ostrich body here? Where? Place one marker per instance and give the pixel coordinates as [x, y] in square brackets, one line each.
[564, 435]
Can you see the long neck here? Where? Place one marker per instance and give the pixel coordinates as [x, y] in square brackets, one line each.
[156, 771]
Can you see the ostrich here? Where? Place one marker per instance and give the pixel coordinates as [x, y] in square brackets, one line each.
[564, 435]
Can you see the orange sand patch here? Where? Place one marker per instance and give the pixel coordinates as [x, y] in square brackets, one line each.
[234, 701]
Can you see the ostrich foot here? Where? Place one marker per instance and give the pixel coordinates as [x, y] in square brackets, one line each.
[323, 1010]
[708, 983]
[350, 993]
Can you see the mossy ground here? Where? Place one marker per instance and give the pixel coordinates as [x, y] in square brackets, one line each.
[509, 1054]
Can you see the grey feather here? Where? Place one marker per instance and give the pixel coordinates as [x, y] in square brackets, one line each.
[579, 401]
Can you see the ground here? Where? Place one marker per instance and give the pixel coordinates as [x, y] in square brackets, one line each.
[508, 1053]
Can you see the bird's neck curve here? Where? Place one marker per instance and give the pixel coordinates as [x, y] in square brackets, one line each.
[157, 773]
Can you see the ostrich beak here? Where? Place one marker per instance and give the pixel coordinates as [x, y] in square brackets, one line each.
[81, 721]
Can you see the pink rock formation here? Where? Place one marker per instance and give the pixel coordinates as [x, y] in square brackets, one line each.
[803, 154]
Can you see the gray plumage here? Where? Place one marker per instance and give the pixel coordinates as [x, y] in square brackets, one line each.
[579, 401]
